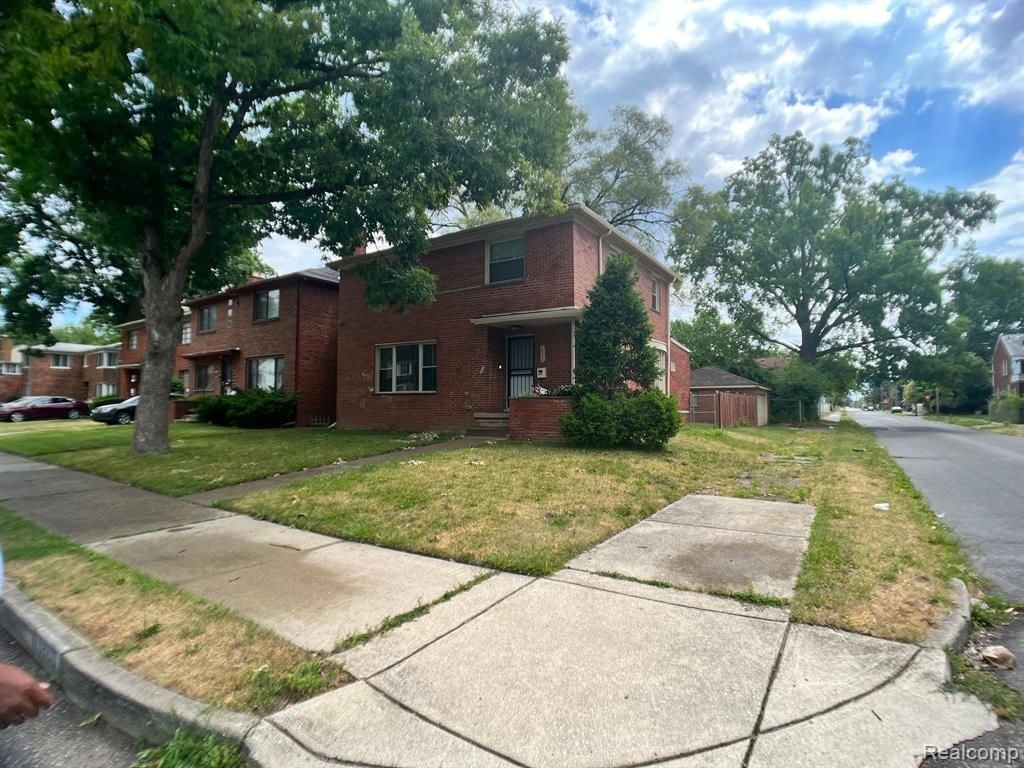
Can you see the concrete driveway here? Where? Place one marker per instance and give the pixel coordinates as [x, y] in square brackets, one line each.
[974, 480]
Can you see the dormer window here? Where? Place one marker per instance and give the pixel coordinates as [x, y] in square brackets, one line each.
[506, 261]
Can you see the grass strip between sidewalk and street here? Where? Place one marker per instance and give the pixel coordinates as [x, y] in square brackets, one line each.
[202, 457]
[982, 423]
[158, 631]
[529, 508]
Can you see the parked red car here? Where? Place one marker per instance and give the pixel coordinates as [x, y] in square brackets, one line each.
[43, 407]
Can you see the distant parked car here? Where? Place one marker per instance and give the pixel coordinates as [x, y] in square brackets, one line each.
[121, 413]
[43, 407]
[897, 409]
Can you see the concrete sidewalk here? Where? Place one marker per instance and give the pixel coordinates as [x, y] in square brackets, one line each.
[574, 670]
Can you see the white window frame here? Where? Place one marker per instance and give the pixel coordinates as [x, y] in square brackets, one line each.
[105, 389]
[487, 261]
[1006, 367]
[655, 293]
[133, 339]
[104, 360]
[185, 338]
[10, 369]
[394, 367]
[663, 380]
[55, 357]
[278, 372]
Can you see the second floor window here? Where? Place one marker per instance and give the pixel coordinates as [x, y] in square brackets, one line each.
[506, 261]
[60, 361]
[108, 360]
[186, 332]
[267, 305]
[207, 319]
[133, 339]
[655, 294]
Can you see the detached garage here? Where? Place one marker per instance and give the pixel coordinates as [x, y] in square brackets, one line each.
[725, 399]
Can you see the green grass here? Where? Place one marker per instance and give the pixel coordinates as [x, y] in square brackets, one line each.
[981, 423]
[529, 508]
[163, 633]
[188, 749]
[1006, 701]
[201, 457]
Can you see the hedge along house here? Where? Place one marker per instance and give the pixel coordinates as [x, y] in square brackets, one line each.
[278, 334]
[509, 297]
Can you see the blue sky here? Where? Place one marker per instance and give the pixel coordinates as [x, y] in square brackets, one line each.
[936, 88]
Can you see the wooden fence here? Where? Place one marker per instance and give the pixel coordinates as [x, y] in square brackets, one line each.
[723, 409]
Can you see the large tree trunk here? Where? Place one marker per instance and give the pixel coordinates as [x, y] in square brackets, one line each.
[162, 303]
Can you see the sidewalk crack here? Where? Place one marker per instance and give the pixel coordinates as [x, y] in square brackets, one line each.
[764, 701]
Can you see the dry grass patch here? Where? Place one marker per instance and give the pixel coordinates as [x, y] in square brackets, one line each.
[159, 632]
[883, 573]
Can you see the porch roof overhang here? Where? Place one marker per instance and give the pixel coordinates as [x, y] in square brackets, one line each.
[212, 353]
[529, 317]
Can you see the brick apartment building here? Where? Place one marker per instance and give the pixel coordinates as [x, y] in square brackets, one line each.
[1008, 365]
[278, 333]
[81, 371]
[509, 297]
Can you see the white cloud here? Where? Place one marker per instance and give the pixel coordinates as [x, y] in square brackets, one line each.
[896, 163]
[1005, 237]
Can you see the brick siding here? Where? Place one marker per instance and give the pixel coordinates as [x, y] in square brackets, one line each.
[537, 418]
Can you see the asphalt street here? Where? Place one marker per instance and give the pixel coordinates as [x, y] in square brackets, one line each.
[62, 736]
[973, 479]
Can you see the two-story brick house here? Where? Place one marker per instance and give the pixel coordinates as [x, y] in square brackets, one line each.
[279, 333]
[508, 300]
[1008, 365]
[11, 378]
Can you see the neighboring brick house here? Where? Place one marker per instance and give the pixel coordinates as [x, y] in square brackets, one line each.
[11, 378]
[279, 333]
[509, 296]
[100, 371]
[132, 351]
[1008, 365]
[709, 383]
[58, 369]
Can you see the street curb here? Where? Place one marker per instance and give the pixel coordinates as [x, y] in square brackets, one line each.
[954, 628]
[131, 704]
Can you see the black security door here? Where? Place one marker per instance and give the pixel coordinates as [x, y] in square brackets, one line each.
[520, 366]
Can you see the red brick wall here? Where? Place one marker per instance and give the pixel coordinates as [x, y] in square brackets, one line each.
[11, 386]
[471, 359]
[93, 374]
[537, 418]
[1000, 382]
[679, 379]
[317, 352]
[43, 379]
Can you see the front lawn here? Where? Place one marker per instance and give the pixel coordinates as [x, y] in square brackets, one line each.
[202, 457]
[531, 507]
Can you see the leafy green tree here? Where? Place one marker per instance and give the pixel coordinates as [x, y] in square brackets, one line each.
[987, 296]
[624, 173]
[171, 134]
[92, 330]
[963, 379]
[717, 342]
[613, 339]
[798, 237]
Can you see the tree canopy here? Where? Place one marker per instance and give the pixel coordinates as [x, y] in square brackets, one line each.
[613, 339]
[718, 342]
[624, 173]
[987, 298]
[799, 237]
[92, 330]
[172, 135]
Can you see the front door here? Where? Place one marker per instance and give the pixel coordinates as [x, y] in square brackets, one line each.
[520, 366]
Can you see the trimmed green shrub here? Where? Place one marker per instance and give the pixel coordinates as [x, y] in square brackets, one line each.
[251, 409]
[644, 419]
[213, 410]
[96, 402]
